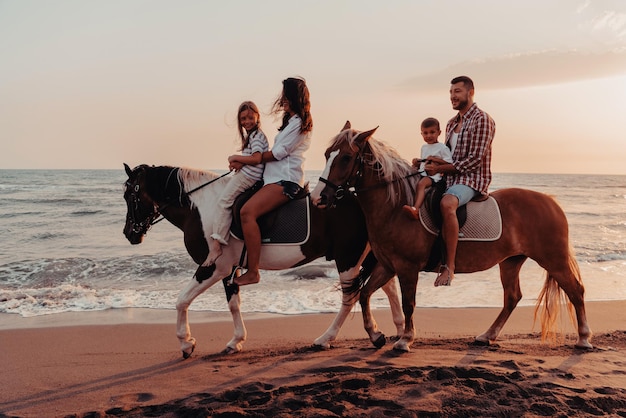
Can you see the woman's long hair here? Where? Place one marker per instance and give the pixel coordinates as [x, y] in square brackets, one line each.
[296, 93]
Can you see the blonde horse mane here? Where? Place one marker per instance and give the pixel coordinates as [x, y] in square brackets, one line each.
[189, 179]
[387, 162]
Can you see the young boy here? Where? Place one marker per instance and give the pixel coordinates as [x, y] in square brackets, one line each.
[434, 151]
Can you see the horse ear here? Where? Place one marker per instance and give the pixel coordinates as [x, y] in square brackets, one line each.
[128, 170]
[364, 136]
[348, 125]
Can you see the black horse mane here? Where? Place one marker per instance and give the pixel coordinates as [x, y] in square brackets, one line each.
[163, 185]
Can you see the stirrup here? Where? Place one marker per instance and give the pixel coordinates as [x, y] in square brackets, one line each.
[234, 274]
[238, 267]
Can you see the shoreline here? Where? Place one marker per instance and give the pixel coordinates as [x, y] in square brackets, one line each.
[426, 318]
[128, 363]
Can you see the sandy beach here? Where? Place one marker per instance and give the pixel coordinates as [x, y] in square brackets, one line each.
[128, 363]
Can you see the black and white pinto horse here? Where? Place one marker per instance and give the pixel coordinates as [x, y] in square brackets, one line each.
[179, 195]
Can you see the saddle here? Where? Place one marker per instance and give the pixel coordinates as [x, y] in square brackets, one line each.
[289, 224]
[432, 204]
[479, 220]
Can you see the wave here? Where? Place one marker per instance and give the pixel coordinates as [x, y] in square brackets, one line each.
[75, 298]
[48, 235]
[86, 212]
[615, 256]
[19, 214]
[72, 298]
[600, 252]
[45, 273]
[586, 214]
[97, 273]
[296, 291]
[615, 229]
[56, 201]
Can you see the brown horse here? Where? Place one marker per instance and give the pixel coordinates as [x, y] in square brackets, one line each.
[179, 195]
[534, 226]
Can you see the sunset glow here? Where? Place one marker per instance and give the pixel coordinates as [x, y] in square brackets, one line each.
[96, 84]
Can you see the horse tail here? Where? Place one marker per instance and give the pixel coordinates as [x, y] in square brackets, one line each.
[550, 302]
[365, 272]
[354, 288]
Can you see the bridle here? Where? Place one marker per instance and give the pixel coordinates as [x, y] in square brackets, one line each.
[347, 187]
[134, 202]
[351, 185]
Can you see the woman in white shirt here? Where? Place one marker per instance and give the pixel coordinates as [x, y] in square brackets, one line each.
[284, 169]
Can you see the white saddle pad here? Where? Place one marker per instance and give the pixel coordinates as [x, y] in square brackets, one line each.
[484, 222]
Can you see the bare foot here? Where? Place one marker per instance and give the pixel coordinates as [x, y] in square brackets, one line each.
[215, 250]
[411, 212]
[249, 277]
[445, 277]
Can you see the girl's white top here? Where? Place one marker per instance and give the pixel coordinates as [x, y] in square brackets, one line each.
[289, 148]
[436, 150]
[257, 142]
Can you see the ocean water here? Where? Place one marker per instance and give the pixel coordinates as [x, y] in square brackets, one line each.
[62, 249]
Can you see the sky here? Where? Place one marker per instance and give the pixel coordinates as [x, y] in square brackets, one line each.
[95, 84]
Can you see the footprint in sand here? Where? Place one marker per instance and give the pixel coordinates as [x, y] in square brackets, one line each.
[132, 398]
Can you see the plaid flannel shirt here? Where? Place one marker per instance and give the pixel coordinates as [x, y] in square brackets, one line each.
[472, 154]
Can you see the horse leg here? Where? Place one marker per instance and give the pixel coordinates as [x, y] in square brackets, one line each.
[408, 287]
[576, 296]
[350, 293]
[193, 289]
[509, 276]
[380, 277]
[235, 345]
[567, 276]
[391, 290]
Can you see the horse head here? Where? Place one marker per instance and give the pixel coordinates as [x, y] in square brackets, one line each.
[141, 209]
[344, 161]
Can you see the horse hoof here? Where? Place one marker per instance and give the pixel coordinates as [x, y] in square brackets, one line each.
[229, 350]
[480, 343]
[321, 347]
[322, 342]
[584, 347]
[380, 341]
[186, 355]
[401, 346]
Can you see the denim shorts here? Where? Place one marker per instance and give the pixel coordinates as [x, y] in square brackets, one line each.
[290, 189]
[462, 192]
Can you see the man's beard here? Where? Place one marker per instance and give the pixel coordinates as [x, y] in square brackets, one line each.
[462, 104]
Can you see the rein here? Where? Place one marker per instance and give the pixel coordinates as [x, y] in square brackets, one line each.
[159, 209]
[385, 183]
[340, 190]
[207, 183]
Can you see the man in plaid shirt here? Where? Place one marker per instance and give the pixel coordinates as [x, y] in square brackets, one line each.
[469, 136]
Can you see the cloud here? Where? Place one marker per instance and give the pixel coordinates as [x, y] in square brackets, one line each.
[524, 70]
[581, 8]
[614, 22]
[605, 20]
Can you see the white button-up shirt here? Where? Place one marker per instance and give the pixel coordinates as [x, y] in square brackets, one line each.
[289, 147]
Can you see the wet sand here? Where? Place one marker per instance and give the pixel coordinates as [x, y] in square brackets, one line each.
[128, 363]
